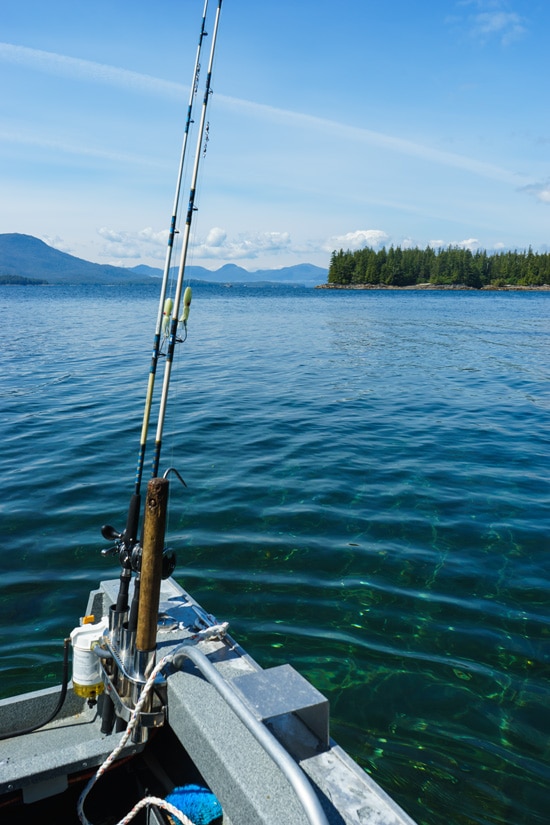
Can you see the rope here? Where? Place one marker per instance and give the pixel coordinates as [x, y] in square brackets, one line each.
[218, 630]
[160, 803]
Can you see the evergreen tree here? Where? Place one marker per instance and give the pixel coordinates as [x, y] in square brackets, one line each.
[453, 266]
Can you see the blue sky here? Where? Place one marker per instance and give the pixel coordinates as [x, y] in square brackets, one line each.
[332, 124]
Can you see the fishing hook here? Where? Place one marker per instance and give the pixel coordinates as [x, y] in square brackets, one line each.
[173, 470]
[181, 340]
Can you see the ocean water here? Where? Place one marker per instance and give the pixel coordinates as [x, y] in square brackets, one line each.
[367, 498]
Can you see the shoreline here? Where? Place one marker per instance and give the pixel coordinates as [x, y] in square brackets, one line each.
[439, 287]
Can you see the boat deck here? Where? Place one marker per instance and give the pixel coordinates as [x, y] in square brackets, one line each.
[210, 731]
[40, 763]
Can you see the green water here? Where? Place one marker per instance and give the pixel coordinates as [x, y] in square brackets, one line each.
[367, 498]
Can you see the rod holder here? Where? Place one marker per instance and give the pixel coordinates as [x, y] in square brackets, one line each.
[117, 618]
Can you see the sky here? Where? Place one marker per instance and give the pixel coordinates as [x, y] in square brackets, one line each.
[331, 125]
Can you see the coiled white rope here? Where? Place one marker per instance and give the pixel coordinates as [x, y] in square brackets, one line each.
[160, 803]
[211, 632]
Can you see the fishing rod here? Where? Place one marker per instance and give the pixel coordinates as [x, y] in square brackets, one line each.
[164, 308]
[171, 313]
[123, 618]
[127, 540]
[175, 321]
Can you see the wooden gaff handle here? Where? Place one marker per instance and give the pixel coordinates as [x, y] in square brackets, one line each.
[154, 526]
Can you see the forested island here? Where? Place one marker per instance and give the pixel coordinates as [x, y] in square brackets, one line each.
[18, 280]
[451, 267]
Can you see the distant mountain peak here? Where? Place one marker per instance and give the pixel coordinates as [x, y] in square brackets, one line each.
[28, 257]
[307, 275]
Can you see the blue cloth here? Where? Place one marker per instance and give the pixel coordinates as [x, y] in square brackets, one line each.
[199, 804]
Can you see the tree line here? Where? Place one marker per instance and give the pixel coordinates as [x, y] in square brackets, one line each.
[19, 280]
[451, 266]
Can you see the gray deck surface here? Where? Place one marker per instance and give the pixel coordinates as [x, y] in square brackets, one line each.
[250, 786]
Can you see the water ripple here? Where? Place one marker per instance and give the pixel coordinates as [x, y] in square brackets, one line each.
[367, 497]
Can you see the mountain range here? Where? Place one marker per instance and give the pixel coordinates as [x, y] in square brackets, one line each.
[26, 259]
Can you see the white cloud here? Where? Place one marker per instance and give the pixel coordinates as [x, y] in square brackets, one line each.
[101, 73]
[110, 235]
[57, 243]
[368, 137]
[62, 147]
[151, 236]
[508, 26]
[376, 238]
[357, 240]
[123, 244]
[470, 243]
[218, 245]
[540, 191]
[216, 237]
[494, 19]
[73, 67]
[122, 252]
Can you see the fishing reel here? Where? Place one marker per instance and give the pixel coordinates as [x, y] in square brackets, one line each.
[129, 552]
